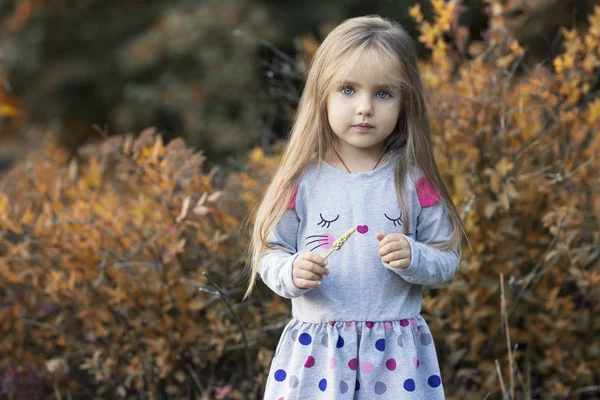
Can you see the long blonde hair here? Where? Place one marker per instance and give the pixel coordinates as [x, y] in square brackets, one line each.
[312, 138]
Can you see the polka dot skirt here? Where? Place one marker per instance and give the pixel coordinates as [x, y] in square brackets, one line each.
[355, 360]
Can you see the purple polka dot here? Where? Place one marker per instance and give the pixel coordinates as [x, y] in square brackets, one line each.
[434, 381]
[391, 364]
[380, 345]
[340, 342]
[310, 362]
[343, 387]
[404, 322]
[380, 388]
[416, 362]
[370, 324]
[357, 387]
[353, 364]
[409, 385]
[426, 339]
[280, 375]
[323, 385]
[305, 339]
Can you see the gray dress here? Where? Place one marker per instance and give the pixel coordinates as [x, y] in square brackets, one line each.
[360, 334]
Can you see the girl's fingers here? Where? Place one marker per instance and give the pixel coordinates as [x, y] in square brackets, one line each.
[306, 284]
[313, 257]
[316, 268]
[396, 255]
[309, 276]
[391, 247]
[390, 237]
[400, 263]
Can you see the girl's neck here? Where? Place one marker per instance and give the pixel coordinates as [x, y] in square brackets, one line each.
[355, 161]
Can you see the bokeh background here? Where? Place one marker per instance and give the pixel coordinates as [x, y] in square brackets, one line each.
[136, 136]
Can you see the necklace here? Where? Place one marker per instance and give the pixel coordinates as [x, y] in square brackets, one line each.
[348, 169]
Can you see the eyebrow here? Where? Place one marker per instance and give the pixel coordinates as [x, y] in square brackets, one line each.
[379, 85]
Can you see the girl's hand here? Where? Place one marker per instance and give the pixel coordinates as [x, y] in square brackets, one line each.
[394, 249]
[308, 270]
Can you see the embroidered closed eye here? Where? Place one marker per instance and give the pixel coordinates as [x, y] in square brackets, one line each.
[397, 221]
[325, 223]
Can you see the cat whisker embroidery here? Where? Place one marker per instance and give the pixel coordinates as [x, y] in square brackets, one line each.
[325, 240]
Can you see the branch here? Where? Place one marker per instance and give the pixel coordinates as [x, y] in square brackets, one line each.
[237, 321]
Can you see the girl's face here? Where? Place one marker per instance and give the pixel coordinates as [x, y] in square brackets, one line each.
[363, 109]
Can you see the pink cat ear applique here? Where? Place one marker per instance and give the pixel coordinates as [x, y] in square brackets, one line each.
[292, 203]
[426, 193]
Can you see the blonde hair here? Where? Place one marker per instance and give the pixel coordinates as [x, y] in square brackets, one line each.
[311, 136]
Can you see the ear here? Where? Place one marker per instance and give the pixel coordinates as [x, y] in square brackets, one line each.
[426, 193]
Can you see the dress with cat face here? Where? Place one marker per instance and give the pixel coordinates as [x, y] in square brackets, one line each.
[360, 334]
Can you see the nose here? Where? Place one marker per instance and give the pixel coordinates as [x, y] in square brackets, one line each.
[365, 106]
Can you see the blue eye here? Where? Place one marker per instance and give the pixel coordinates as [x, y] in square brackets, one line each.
[386, 94]
[347, 90]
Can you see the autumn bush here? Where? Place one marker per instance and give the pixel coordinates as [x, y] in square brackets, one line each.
[519, 150]
[102, 261]
[121, 267]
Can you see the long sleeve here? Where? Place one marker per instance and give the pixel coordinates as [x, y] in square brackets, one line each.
[275, 265]
[428, 265]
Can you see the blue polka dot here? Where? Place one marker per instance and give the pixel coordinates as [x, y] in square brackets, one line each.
[409, 385]
[357, 387]
[305, 339]
[323, 384]
[426, 339]
[280, 375]
[434, 381]
[340, 342]
[380, 345]
[343, 387]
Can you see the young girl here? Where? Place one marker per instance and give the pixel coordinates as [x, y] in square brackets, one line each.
[360, 163]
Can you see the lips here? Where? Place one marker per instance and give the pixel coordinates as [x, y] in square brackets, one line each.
[363, 126]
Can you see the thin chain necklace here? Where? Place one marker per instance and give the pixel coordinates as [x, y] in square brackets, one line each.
[348, 169]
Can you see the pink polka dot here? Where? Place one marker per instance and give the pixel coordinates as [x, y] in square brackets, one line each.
[413, 322]
[366, 367]
[387, 325]
[332, 323]
[310, 362]
[370, 324]
[332, 363]
[281, 398]
[391, 364]
[350, 323]
[353, 364]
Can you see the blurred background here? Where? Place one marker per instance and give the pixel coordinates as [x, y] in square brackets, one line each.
[137, 135]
